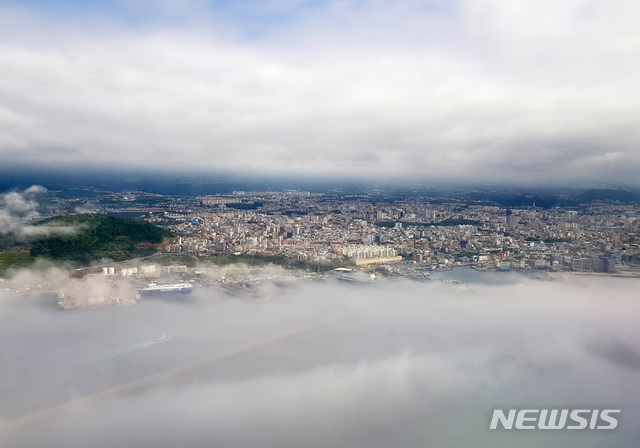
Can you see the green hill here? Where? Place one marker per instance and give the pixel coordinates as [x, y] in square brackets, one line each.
[98, 236]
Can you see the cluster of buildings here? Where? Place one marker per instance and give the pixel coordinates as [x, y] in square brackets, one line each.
[316, 227]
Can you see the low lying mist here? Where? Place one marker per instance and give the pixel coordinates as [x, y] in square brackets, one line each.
[323, 364]
[19, 209]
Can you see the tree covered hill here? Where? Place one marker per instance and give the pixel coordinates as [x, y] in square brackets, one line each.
[92, 237]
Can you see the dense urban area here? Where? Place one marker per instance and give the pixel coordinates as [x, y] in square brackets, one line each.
[600, 236]
[249, 244]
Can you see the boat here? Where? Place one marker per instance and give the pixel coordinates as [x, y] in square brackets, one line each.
[167, 289]
[357, 277]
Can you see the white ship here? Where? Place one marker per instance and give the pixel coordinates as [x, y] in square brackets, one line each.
[173, 288]
[349, 275]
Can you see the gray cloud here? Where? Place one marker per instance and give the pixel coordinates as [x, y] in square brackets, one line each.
[483, 90]
[401, 364]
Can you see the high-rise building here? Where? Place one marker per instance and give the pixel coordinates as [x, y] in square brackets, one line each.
[509, 215]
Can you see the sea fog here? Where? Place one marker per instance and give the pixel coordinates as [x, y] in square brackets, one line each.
[324, 364]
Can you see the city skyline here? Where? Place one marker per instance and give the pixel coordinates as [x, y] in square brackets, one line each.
[471, 91]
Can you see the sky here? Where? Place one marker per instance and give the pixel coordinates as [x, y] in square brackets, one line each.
[509, 91]
[321, 365]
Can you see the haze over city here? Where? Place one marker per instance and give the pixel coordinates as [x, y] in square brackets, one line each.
[469, 90]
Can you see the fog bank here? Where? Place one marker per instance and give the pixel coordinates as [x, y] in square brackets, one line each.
[323, 364]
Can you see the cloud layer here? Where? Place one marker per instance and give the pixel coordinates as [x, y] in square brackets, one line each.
[481, 90]
[401, 364]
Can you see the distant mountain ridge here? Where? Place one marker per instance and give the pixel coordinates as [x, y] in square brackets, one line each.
[596, 194]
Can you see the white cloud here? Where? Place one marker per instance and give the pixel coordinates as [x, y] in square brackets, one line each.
[481, 91]
[16, 209]
[20, 209]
